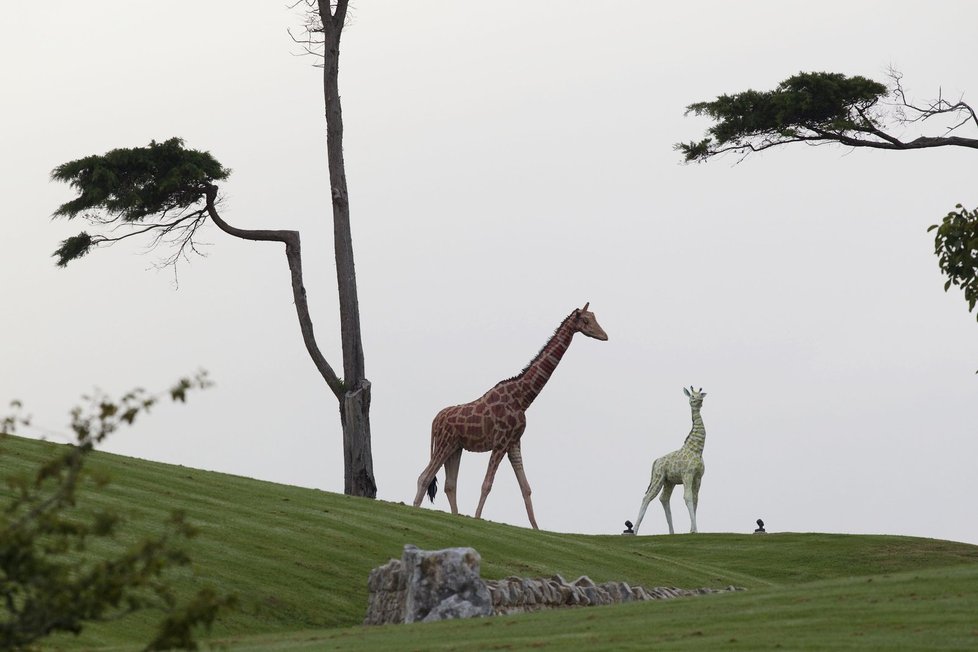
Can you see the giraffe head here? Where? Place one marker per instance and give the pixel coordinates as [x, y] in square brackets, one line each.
[584, 322]
[695, 396]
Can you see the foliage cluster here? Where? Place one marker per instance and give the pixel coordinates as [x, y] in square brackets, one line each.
[805, 105]
[956, 246]
[62, 566]
[130, 185]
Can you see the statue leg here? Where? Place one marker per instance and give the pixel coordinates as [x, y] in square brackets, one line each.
[494, 460]
[689, 495]
[451, 478]
[667, 488]
[516, 460]
[655, 485]
[696, 497]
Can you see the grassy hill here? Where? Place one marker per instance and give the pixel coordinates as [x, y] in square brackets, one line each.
[298, 559]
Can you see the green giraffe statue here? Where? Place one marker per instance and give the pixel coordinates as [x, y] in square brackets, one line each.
[684, 466]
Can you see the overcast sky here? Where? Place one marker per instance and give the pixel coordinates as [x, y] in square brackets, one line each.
[507, 162]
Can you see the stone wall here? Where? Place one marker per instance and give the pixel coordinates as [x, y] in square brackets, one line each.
[441, 584]
[519, 595]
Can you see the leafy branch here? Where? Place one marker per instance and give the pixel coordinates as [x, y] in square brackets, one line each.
[956, 247]
[818, 108]
[51, 580]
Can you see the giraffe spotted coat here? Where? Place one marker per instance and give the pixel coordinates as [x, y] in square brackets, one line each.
[495, 422]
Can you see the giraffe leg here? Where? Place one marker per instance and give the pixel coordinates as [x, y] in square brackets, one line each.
[424, 480]
[664, 499]
[516, 460]
[451, 476]
[655, 485]
[429, 474]
[494, 460]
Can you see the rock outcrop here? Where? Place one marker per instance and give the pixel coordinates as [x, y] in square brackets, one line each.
[442, 584]
[427, 586]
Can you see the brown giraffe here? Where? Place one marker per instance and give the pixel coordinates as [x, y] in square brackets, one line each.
[496, 421]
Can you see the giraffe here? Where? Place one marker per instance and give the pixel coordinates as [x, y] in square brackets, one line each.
[684, 466]
[496, 421]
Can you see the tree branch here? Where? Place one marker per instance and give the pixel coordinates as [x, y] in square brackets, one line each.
[823, 108]
[294, 256]
[939, 106]
[871, 128]
[163, 229]
[333, 13]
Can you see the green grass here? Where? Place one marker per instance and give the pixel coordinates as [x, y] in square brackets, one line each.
[298, 560]
[933, 609]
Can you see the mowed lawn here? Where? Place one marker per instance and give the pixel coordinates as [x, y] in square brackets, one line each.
[298, 561]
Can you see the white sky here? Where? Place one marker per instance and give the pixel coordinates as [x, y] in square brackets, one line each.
[507, 162]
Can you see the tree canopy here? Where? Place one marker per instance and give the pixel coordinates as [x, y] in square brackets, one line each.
[155, 188]
[821, 107]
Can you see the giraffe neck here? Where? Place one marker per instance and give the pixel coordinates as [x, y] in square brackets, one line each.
[696, 438]
[530, 381]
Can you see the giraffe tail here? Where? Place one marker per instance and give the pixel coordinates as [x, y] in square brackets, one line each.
[433, 488]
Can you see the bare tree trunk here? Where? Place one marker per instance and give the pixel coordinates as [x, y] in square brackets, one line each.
[355, 405]
[357, 457]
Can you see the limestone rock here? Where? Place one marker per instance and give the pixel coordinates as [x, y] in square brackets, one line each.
[444, 584]
[386, 586]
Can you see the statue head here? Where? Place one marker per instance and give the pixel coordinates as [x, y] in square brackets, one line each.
[695, 396]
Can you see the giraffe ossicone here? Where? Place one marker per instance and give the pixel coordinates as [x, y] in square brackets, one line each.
[684, 466]
[496, 421]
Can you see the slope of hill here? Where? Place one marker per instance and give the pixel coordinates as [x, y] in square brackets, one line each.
[298, 559]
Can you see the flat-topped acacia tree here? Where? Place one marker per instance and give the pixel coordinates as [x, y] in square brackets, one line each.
[820, 108]
[167, 192]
